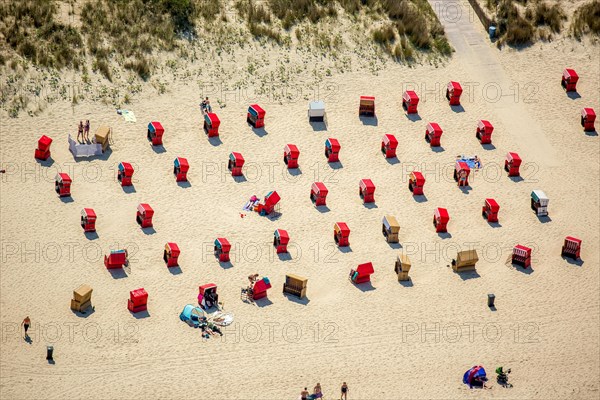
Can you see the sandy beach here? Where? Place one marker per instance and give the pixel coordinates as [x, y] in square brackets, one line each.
[386, 339]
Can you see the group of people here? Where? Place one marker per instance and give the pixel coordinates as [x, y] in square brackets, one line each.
[83, 130]
[318, 392]
[209, 329]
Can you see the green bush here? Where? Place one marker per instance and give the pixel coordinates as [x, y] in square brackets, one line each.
[551, 16]
[519, 33]
[140, 65]
[587, 19]
[267, 32]
[384, 34]
[102, 66]
[30, 29]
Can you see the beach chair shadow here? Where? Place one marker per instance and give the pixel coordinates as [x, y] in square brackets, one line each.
[91, 235]
[264, 302]
[369, 121]
[413, 117]
[488, 147]
[408, 283]
[579, 262]
[345, 249]
[573, 95]
[67, 200]
[184, 184]
[86, 313]
[466, 275]
[175, 270]
[370, 205]
[226, 264]
[458, 109]
[295, 171]
[117, 273]
[420, 198]
[437, 149]
[260, 132]
[140, 315]
[516, 178]
[336, 165]
[527, 271]
[239, 179]
[274, 216]
[297, 300]
[284, 256]
[444, 235]
[393, 161]
[45, 163]
[149, 230]
[318, 126]
[365, 286]
[544, 219]
[592, 133]
[215, 141]
[158, 149]
[129, 189]
[495, 224]
[322, 209]
[395, 246]
[465, 189]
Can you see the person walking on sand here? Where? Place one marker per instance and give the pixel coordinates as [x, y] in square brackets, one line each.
[26, 323]
[344, 395]
[86, 130]
[80, 130]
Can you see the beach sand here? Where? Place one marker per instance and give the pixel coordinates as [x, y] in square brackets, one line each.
[386, 339]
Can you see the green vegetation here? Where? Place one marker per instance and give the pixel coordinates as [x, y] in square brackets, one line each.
[522, 22]
[549, 15]
[515, 28]
[31, 31]
[125, 33]
[587, 19]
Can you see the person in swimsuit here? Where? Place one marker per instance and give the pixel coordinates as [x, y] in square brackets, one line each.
[26, 323]
[317, 392]
[344, 395]
[252, 278]
[304, 394]
[86, 131]
[80, 130]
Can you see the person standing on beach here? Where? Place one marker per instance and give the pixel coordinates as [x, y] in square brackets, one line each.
[304, 394]
[86, 131]
[317, 391]
[80, 130]
[26, 323]
[344, 395]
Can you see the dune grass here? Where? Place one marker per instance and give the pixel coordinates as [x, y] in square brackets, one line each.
[127, 41]
[31, 30]
[587, 19]
[523, 22]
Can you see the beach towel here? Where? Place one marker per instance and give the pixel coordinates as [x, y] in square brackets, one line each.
[129, 116]
[470, 162]
[249, 206]
[221, 319]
